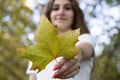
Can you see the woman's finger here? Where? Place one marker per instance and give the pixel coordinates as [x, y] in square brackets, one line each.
[72, 69]
[65, 67]
[70, 75]
[60, 63]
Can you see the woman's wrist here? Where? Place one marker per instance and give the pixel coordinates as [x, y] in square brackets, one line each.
[79, 57]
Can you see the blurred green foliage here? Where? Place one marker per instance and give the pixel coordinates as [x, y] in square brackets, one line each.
[15, 19]
[107, 66]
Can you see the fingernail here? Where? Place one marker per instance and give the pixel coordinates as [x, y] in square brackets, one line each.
[55, 75]
[55, 68]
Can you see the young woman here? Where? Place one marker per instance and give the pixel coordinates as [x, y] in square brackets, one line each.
[67, 15]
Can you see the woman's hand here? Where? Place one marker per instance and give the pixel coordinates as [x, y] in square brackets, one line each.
[66, 68]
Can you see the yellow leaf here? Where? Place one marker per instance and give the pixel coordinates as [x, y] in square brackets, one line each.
[49, 45]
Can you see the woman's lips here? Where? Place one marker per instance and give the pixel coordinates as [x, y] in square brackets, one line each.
[61, 19]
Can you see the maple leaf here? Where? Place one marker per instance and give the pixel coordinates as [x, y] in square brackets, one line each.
[49, 45]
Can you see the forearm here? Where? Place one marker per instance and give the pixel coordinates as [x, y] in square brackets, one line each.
[87, 51]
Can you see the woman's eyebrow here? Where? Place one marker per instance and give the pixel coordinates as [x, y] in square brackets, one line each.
[68, 4]
[55, 5]
[63, 4]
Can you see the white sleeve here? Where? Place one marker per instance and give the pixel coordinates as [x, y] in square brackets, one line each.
[86, 38]
[29, 71]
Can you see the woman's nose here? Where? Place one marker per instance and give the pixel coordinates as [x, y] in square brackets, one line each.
[61, 11]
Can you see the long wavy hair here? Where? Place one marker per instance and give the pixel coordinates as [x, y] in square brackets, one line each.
[78, 22]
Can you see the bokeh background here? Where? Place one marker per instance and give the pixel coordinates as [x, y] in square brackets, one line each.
[19, 20]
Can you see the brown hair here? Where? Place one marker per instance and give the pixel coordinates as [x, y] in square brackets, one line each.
[78, 21]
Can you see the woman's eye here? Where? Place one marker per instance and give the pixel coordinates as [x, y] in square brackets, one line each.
[68, 8]
[55, 8]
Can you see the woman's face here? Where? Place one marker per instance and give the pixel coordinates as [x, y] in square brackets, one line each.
[62, 14]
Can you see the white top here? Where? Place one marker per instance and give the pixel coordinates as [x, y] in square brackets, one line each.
[85, 67]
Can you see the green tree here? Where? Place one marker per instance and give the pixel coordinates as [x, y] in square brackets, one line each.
[15, 23]
[107, 66]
